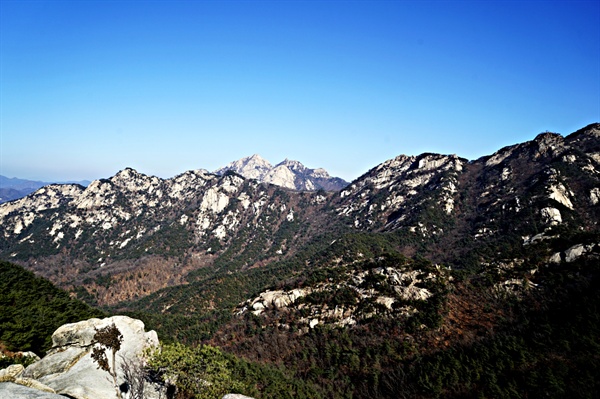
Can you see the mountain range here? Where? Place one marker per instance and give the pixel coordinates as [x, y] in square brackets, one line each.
[434, 200]
[288, 174]
[422, 257]
[14, 188]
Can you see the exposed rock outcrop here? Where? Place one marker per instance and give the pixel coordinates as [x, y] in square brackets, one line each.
[11, 390]
[386, 196]
[69, 369]
[288, 173]
[367, 292]
[575, 252]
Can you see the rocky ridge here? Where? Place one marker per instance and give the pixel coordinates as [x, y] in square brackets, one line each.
[384, 197]
[288, 174]
[442, 207]
[132, 215]
[13, 188]
[359, 292]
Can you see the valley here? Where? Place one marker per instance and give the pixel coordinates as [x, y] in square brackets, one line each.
[427, 276]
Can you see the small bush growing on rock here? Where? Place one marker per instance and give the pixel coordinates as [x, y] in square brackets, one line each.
[108, 337]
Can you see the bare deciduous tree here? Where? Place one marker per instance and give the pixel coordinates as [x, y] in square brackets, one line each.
[134, 372]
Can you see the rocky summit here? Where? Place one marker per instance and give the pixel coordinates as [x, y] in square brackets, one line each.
[288, 174]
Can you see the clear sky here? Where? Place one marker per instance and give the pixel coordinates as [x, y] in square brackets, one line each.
[88, 88]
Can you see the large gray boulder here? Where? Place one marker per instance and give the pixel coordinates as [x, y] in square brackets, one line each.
[11, 390]
[69, 369]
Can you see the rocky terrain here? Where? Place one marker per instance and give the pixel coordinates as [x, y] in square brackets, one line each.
[550, 180]
[430, 251]
[13, 188]
[389, 287]
[101, 229]
[69, 369]
[134, 225]
[288, 174]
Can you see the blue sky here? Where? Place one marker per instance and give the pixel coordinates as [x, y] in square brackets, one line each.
[88, 88]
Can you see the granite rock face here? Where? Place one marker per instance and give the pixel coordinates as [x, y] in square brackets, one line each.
[288, 174]
[10, 390]
[69, 369]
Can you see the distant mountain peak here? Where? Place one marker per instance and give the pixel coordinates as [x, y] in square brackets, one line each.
[288, 173]
[256, 157]
[127, 173]
[293, 165]
[251, 167]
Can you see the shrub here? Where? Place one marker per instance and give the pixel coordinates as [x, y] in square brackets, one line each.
[202, 372]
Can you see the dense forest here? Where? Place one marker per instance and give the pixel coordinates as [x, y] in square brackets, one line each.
[543, 344]
[470, 340]
[32, 308]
